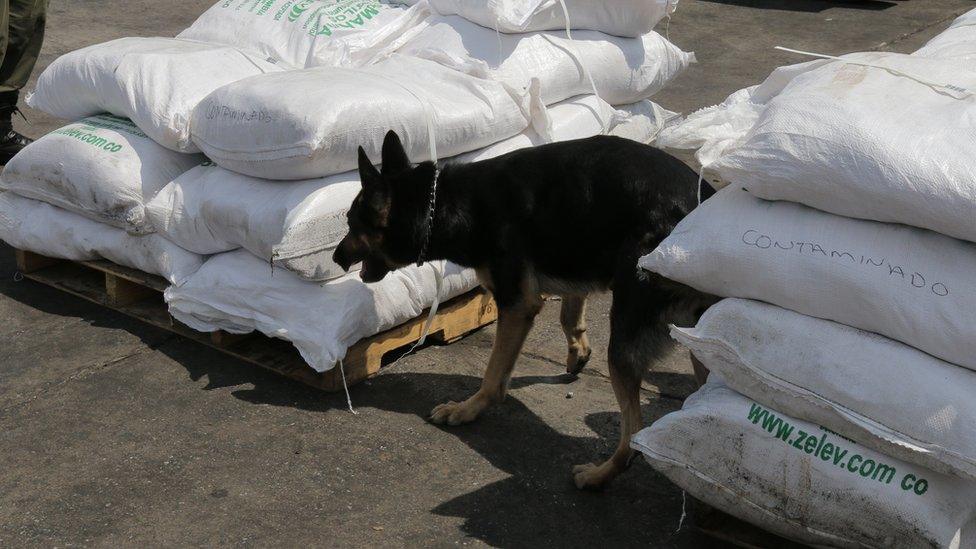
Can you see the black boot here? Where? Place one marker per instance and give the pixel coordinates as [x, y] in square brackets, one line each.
[11, 142]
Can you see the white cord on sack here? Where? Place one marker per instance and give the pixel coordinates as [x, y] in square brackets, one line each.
[428, 324]
[342, 370]
[924, 81]
[701, 178]
[604, 125]
[684, 514]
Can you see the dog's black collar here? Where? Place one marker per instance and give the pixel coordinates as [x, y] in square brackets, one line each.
[429, 219]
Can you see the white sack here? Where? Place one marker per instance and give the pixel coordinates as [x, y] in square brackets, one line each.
[296, 224]
[912, 285]
[155, 82]
[883, 394]
[299, 224]
[41, 228]
[239, 293]
[310, 123]
[956, 42]
[624, 70]
[800, 481]
[102, 167]
[617, 17]
[859, 141]
[306, 33]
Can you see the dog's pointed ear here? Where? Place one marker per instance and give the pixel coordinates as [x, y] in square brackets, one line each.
[368, 173]
[394, 156]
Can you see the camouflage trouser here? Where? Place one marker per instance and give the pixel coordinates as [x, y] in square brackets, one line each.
[21, 35]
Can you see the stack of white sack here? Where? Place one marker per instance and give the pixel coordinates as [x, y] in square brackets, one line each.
[867, 261]
[157, 82]
[297, 225]
[280, 95]
[447, 86]
[79, 193]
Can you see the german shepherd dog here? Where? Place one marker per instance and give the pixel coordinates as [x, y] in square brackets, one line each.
[563, 219]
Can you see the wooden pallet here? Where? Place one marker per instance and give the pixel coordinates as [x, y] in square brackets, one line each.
[139, 295]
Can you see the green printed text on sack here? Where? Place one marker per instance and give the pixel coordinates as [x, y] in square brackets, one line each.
[829, 451]
[86, 133]
[316, 17]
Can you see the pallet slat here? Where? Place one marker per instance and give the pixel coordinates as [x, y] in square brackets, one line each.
[139, 295]
[28, 262]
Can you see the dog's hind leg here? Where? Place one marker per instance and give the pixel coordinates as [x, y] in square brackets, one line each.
[572, 316]
[514, 323]
[626, 387]
[638, 336]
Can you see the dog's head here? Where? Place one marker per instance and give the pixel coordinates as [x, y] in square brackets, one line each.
[371, 239]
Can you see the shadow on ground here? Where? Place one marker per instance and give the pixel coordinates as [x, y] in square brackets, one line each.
[534, 457]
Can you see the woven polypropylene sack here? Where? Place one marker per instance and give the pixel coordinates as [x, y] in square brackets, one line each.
[801, 481]
[911, 285]
[617, 17]
[155, 82]
[41, 228]
[102, 167]
[845, 379]
[306, 33]
[624, 70]
[310, 123]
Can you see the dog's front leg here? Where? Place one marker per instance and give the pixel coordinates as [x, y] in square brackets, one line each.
[514, 323]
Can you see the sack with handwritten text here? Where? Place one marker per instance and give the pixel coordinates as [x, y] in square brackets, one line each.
[155, 82]
[912, 285]
[844, 379]
[880, 136]
[803, 482]
[306, 33]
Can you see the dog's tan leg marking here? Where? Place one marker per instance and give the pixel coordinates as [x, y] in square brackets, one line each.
[513, 326]
[594, 477]
[572, 316]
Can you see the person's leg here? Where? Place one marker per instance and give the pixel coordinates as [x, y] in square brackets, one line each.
[21, 36]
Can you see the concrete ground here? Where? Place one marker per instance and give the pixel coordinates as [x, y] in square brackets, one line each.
[113, 433]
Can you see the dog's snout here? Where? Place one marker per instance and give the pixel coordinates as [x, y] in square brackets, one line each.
[341, 256]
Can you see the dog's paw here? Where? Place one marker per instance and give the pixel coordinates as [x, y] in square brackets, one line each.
[591, 476]
[455, 413]
[577, 359]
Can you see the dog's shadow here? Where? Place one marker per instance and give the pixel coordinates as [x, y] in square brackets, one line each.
[537, 504]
